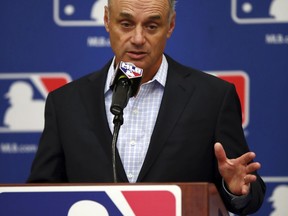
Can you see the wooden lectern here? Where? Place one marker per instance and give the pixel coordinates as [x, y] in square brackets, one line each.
[181, 199]
[201, 199]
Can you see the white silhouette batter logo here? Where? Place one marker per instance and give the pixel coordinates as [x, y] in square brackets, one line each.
[24, 112]
[97, 12]
[279, 10]
[279, 200]
[87, 207]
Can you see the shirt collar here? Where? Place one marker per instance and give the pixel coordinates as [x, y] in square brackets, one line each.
[160, 76]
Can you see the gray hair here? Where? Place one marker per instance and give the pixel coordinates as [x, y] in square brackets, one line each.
[172, 4]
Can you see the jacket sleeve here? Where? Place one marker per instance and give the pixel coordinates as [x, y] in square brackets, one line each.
[230, 133]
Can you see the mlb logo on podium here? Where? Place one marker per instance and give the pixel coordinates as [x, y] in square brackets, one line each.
[116, 200]
[23, 96]
[79, 13]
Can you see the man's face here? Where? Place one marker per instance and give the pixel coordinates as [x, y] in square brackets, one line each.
[138, 32]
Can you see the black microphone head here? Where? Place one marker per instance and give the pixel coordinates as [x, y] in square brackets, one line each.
[133, 73]
[125, 84]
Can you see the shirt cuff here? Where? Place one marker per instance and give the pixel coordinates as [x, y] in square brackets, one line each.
[238, 202]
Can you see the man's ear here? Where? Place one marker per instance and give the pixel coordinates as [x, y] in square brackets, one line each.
[171, 25]
[106, 18]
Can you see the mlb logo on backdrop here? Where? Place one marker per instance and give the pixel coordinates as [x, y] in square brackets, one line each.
[79, 13]
[259, 11]
[241, 81]
[22, 97]
[275, 202]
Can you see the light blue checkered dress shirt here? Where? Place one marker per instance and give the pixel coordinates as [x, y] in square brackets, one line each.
[139, 120]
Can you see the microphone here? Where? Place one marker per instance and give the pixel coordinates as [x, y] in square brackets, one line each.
[125, 84]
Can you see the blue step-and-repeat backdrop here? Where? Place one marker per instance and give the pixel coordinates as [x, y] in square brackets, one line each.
[45, 44]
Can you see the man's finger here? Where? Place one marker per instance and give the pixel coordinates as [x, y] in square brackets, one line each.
[249, 179]
[252, 167]
[247, 157]
[219, 152]
[245, 189]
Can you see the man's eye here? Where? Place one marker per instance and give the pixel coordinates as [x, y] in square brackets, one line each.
[126, 24]
[152, 27]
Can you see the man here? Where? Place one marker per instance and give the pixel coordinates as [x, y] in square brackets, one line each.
[169, 129]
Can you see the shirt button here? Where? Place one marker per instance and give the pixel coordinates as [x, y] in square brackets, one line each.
[130, 176]
[132, 143]
[135, 111]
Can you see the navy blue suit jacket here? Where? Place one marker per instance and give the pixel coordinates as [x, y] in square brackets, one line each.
[197, 110]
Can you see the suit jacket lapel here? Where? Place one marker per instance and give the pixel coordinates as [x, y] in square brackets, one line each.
[92, 95]
[177, 93]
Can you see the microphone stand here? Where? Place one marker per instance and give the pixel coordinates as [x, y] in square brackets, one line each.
[118, 121]
[121, 95]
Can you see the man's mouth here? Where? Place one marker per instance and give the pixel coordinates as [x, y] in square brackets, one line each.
[136, 55]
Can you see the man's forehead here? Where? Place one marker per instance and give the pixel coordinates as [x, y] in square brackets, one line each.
[139, 1]
[128, 15]
[159, 6]
[154, 9]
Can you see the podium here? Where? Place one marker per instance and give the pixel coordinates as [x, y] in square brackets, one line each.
[140, 199]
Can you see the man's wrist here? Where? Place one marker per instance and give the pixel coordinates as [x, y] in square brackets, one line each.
[236, 200]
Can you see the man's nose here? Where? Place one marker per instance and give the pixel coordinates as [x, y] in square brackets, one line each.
[138, 37]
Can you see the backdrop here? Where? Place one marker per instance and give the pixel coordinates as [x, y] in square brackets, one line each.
[45, 44]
